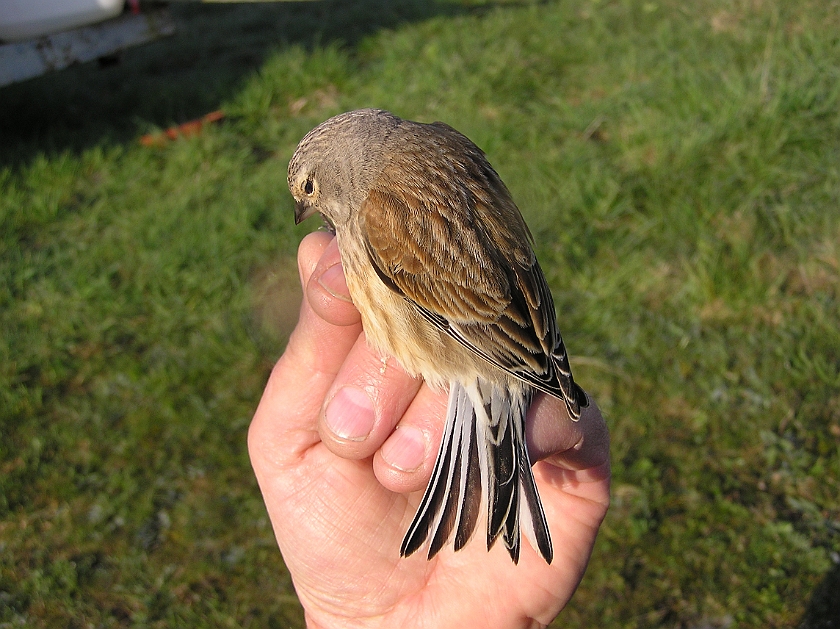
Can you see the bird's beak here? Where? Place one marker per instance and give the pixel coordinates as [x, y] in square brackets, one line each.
[303, 211]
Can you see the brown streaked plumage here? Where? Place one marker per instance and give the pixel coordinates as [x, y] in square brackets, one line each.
[439, 262]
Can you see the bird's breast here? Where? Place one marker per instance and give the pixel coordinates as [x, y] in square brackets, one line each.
[394, 326]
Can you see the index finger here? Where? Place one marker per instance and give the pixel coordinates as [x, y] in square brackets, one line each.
[285, 422]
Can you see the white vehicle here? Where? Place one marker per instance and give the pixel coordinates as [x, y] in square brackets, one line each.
[24, 19]
[37, 36]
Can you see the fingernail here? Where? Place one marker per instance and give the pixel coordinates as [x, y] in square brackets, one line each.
[334, 283]
[405, 449]
[349, 415]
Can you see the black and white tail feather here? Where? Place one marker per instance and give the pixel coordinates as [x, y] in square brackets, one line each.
[482, 465]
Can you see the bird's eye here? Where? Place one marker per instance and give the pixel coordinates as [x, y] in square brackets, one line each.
[309, 186]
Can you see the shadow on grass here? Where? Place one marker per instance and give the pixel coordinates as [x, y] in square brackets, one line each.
[216, 47]
[823, 610]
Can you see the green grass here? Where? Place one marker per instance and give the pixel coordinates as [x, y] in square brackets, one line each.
[679, 164]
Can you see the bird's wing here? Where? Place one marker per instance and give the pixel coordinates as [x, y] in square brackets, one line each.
[441, 229]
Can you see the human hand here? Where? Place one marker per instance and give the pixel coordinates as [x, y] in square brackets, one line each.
[344, 442]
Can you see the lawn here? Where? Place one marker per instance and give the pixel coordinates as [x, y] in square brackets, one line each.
[679, 164]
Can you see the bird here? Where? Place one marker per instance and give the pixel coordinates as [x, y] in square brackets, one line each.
[440, 263]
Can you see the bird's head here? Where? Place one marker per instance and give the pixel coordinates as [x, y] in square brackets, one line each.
[334, 165]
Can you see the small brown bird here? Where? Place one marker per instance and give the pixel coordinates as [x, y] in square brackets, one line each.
[439, 262]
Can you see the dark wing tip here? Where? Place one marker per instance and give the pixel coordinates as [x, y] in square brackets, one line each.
[575, 400]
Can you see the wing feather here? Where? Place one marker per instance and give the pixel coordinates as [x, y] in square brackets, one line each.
[442, 230]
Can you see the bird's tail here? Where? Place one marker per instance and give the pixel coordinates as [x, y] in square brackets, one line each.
[482, 464]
